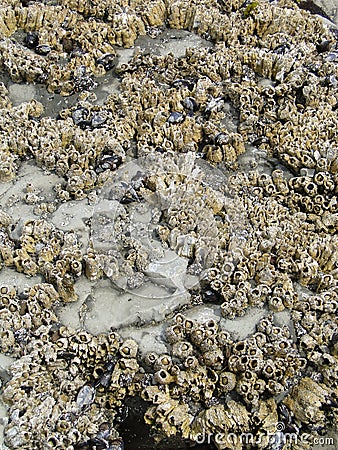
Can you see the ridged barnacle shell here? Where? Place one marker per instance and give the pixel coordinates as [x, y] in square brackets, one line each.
[191, 362]
[12, 305]
[76, 268]
[276, 304]
[189, 325]
[175, 333]
[163, 361]
[198, 335]
[128, 349]
[234, 363]
[307, 401]
[243, 385]
[278, 333]
[5, 219]
[227, 270]
[24, 263]
[114, 341]
[217, 284]
[65, 331]
[7, 341]
[162, 377]
[65, 288]
[255, 363]
[264, 326]
[316, 301]
[224, 338]
[307, 342]
[209, 343]
[268, 369]
[154, 394]
[212, 274]
[240, 348]
[211, 327]
[274, 387]
[256, 296]
[82, 337]
[269, 349]
[179, 318]
[128, 364]
[93, 267]
[283, 346]
[5, 300]
[309, 320]
[150, 359]
[44, 293]
[63, 426]
[213, 358]
[227, 381]
[8, 290]
[252, 397]
[182, 349]
[62, 343]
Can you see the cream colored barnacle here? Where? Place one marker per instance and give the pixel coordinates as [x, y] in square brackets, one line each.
[129, 349]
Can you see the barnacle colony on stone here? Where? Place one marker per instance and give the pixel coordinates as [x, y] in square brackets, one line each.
[208, 178]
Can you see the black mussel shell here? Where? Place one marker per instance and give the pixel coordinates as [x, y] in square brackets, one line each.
[282, 49]
[210, 296]
[31, 39]
[77, 52]
[93, 444]
[190, 104]
[98, 120]
[80, 117]
[108, 61]
[221, 139]
[43, 49]
[323, 46]
[108, 161]
[176, 117]
[183, 82]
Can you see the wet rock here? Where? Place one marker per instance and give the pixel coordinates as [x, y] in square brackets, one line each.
[115, 308]
[169, 271]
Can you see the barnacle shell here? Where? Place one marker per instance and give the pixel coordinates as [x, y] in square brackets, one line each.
[129, 349]
[307, 399]
[227, 381]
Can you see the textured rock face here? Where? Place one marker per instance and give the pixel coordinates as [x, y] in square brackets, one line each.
[168, 271]
[168, 222]
[331, 9]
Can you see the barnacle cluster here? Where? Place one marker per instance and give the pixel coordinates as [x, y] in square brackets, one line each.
[43, 249]
[209, 384]
[55, 400]
[237, 174]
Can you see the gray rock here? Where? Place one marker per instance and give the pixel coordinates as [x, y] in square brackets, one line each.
[20, 93]
[169, 271]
